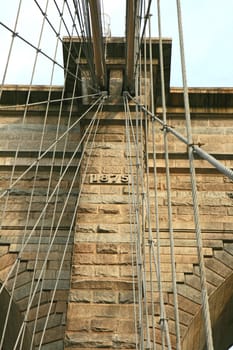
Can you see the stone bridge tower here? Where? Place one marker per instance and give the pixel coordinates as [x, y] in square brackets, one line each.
[106, 222]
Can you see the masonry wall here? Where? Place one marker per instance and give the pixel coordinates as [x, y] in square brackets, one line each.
[99, 291]
[101, 307]
[20, 209]
[101, 296]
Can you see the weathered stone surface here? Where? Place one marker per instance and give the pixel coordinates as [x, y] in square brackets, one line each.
[101, 299]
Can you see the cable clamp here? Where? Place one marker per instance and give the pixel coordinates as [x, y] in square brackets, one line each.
[162, 322]
[153, 117]
[165, 127]
[148, 16]
[199, 144]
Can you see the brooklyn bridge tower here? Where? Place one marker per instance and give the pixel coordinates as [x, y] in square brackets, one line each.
[116, 189]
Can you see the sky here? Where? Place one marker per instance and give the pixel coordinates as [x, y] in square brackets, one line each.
[208, 33]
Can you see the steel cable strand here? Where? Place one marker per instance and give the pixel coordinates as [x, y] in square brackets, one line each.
[57, 33]
[25, 111]
[53, 239]
[63, 257]
[155, 258]
[88, 52]
[138, 233]
[73, 19]
[65, 141]
[58, 125]
[150, 237]
[146, 196]
[145, 192]
[48, 191]
[73, 217]
[204, 293]
[16, 156]
[31, 197]
[141, 38]
[42, 139]
[140, 155]
[35, 48]
[168, 184]
[148, 219]
[85, 27]
[65, 99]
[55, 205]
[141, 240]
[131, 195]
[77, 13]
[50, 197]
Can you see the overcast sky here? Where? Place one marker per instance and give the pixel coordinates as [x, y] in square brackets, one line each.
[208, 33]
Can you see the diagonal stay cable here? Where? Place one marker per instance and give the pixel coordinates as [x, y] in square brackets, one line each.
[51, 146]
[50, 182]
[61, 167]
[204, 292]
[50, 176]
[54, 236]
[132, 215]
[138, 217]
[38, 50]
[65, 99]
[73, 217]
[168, 184]
[49, 199]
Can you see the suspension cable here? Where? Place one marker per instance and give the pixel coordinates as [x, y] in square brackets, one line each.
[46, 204]
[49, 181]
[136, 196]
[205, 302]
[56, 230]
[132, 211]
[168, 184]
[73, 217]
[50, 147]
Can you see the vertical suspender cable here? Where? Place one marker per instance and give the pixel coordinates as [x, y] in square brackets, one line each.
[163, 319]
[168, 182]
[131, 215]
[138, 219]
[150, 237]
[205, 303]
[145, 191]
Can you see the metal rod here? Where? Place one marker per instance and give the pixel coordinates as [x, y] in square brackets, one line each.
[95, 12]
